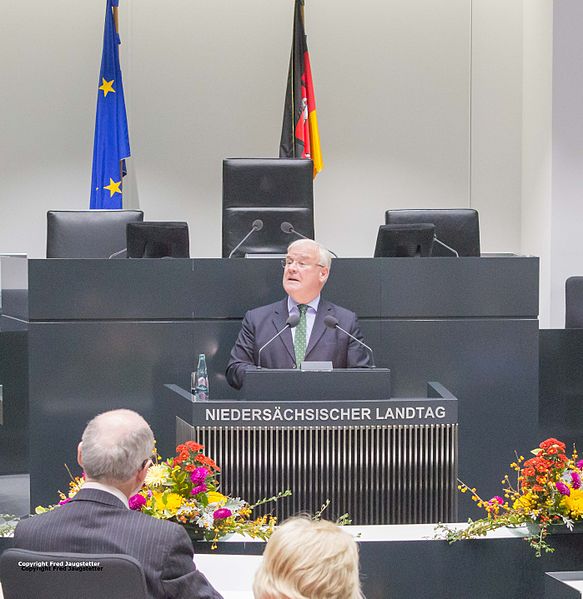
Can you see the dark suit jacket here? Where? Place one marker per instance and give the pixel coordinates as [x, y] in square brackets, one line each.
[325, 344]
[97, 522]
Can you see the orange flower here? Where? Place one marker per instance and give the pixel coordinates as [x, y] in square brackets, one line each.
[194, 446]
[202, 459]
[552, 442]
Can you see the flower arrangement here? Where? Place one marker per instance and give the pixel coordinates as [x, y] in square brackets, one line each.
[185, 489]
[8, 523]
[548, 491]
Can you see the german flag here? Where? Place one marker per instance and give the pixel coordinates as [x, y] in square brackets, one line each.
[299, 135]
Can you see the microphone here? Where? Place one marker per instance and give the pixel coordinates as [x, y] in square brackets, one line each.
[288, 229]
[446, 246]
[332, 323]
[291, 322]
[117, 253]
[256, 225]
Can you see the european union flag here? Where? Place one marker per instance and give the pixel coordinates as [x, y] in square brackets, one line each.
[112, 143]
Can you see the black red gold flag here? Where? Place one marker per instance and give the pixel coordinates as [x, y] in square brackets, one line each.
[299, 136]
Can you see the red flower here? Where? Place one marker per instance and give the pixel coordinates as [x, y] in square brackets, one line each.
[189, 446]
[202, 459]
[552, 442]
[194, 446]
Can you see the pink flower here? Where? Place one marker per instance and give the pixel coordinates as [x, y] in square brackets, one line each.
[198, 475]
[575, 480]
[562, 488]
[579, 464]
[496, 499]
[136, 502]
[199, 489]
[64, 501]
[222, 513]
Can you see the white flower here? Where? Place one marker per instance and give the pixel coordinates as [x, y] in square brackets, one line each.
[156, 475]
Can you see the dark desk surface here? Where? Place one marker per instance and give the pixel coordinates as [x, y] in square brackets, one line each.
[211, 288]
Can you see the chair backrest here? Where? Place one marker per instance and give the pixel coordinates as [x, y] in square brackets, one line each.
[574, 303]
[457, 227]
[274, 190]
[44, 575]
[404, 241]
[158, 240]
[88, 233]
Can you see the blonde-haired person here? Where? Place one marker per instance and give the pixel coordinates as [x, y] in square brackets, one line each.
[307, 559]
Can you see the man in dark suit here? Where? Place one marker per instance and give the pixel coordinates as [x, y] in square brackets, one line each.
[115, 454]
[306, 270]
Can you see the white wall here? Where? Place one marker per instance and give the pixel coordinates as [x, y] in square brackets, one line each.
[496, 80]
[567, 148]
[537, 145]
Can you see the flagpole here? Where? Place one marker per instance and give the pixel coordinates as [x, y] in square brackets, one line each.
[115, 18]
[292, 90]
[116, 23]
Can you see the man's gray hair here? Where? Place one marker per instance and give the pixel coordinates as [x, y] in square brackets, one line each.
[325, 257]
[115, 444]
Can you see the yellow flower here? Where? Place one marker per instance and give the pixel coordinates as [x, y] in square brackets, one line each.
[524, 502]
[574, 503]
[156, 475]
[173, 502]
[167, 502]
[216, 497]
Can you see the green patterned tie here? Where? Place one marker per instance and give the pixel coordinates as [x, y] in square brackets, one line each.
[300, 339]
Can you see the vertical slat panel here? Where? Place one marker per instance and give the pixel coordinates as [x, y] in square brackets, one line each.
[379, 474]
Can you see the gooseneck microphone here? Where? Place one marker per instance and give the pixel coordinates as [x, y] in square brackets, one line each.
[288, 229]
[115, 254]
[332, 323]
[446, 246]
[291, 322]
[256, 225]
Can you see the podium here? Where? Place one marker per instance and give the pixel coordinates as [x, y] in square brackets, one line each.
[391, 461]
[333, 385]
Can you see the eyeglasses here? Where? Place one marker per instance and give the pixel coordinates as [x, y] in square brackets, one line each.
[299, 265]
[151, 459]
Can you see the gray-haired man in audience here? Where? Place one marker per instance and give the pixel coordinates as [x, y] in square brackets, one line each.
[115, 454]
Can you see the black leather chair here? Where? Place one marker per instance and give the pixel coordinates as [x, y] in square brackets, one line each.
[88, 233]
[574, 303]
[458, 228]
[274, 190]
[116, 576]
